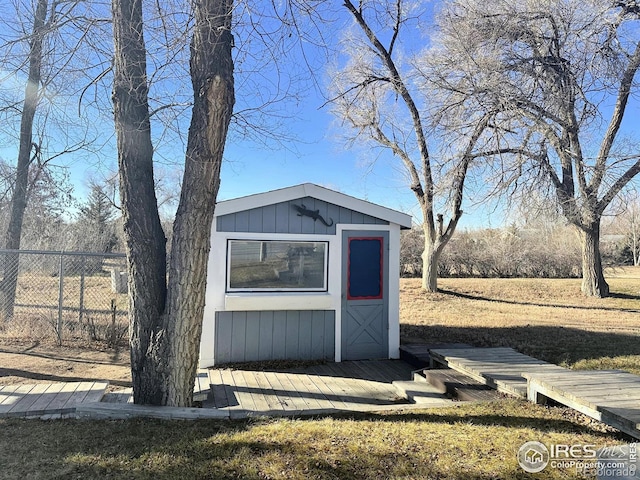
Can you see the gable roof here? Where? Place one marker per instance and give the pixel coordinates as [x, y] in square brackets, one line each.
[226, 207]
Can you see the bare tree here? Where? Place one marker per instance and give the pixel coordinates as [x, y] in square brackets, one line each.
[40, 44]
[378, 94]
[19, 197]
[166, 316]
[550, 69]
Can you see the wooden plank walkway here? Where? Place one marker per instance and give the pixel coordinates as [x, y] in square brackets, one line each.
[610, 396]
[51, 400]
[500, 368]
[48, 399]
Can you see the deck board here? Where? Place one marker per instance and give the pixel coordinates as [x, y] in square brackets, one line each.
[350, 392]
[122, 396]
[341, 390]
[42, 403]
[331, 391]
[48, 399]
[283, 396]
[301, 384]
[218, 389]
[235, 397]
[297, 402]
[268, 392]
[6, 393]
[27, 400]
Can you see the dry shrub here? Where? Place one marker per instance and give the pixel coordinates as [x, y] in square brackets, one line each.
[505, 253]
[29, 327]
[111, 329]
[43, 328]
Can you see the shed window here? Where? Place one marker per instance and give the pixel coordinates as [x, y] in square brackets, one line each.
[274, 265]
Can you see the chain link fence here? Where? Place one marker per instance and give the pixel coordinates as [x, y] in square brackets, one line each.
[67, 294]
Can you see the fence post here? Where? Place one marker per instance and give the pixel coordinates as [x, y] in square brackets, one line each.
[60, 297]
[81, 306]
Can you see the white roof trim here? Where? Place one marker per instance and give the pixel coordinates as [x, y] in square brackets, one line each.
[311, 190]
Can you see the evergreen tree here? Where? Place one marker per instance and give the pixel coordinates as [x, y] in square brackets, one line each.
[96, 224]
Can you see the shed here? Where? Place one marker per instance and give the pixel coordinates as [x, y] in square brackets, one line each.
[302, 273]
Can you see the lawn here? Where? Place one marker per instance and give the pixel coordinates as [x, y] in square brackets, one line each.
[465, 442]
[548, 319]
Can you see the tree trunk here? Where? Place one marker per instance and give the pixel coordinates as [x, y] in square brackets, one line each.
[19, 197]
[430, 259]
[166, 320]
[212, 78]
[593, 281]
[144, 237]
[635, 247]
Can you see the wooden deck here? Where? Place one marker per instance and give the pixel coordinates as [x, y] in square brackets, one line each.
[333, 387]
[347, 386]
[361, 386]
[52, 399]
[611, 396]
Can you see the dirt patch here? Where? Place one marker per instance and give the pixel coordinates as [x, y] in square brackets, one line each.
[31, 362]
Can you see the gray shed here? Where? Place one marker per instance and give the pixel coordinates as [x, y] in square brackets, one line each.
[302, 273]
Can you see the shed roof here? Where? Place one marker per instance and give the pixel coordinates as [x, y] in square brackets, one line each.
[227, 207]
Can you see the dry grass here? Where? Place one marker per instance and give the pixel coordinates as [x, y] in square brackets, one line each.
[36, 311]
[36, 289]
[548, 319]
[465, 442]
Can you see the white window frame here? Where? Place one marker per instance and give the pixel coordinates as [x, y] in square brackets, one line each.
[275, 290]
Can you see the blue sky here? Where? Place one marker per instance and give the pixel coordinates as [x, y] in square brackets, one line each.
[318, 155]
[321, 157]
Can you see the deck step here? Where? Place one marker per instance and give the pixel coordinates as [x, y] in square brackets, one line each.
[459, 385]
[501, 368]
[420, 392]
[417, 354]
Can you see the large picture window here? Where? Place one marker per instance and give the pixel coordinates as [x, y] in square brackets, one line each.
[276, 265]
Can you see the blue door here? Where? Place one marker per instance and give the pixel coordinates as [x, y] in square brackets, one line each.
[365, 319]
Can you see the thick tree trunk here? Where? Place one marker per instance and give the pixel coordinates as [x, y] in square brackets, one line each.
[593, 281]
[430, 258]
[144, 236]
[212, 78]
[19, 197]
[166, 320]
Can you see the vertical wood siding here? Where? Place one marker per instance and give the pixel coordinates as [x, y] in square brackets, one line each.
[274, 335]
[283, 218]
